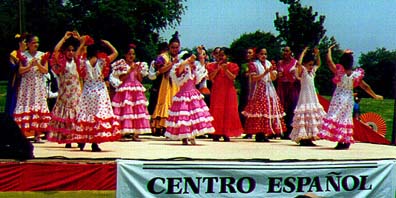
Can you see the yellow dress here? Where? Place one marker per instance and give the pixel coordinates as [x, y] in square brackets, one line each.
[167, 90]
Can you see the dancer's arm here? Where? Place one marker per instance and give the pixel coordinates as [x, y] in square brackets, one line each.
[330, 62]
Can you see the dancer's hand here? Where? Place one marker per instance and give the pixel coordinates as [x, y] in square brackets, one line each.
[378, 97]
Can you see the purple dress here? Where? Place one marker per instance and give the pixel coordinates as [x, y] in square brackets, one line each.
[188, 116]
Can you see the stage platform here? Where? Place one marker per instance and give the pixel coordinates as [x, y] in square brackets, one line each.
[157, 167]
[159, 148]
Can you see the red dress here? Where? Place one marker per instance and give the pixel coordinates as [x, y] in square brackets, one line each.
[224, 102]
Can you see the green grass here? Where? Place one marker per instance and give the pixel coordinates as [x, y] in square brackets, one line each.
[382, 107]
[3, 94]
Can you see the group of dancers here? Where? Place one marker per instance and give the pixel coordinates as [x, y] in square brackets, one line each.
[189, 96]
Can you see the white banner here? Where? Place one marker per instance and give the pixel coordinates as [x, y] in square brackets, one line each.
[256, 179]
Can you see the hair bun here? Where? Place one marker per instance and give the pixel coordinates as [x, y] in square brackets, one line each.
[176, 35]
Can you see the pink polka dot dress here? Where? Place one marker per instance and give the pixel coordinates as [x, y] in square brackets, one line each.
[338, 123]
[96, 122]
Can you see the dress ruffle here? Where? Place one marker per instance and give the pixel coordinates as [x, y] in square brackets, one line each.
[130, 106]
[188, 116]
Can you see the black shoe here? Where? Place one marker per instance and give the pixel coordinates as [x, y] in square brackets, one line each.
[342, 146]
[285, 136]
[259, 137]
[95, 147]
[310, 143]
[306, 142]
[68, 145]
[247, 136]
[81, 146]
[265, 139]
[226, 139]
[216, 138]
[184, 141]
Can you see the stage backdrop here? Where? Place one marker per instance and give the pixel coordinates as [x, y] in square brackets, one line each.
[256, 179]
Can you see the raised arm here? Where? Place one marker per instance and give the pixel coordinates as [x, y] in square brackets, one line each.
[300, 62]
[316, 53]
[330, 62]
[58, 46]
[114, 52]
[81, 49]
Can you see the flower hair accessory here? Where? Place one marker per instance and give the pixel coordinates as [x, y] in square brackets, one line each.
[132, 46]
[17, 36]
[89, 40]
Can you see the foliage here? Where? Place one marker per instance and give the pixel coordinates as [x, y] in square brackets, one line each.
[121, 22]
[383, 108]
[380, 70]
[258, 40]
[300, 28]
[323, 77]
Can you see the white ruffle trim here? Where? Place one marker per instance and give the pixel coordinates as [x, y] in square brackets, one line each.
[136, 88]
[129, 103]
[187, 99]
[193, 133]
[199, 73]
[145, 130]
[259, 115]
[188, 122]
[133, 117]
[188, 113]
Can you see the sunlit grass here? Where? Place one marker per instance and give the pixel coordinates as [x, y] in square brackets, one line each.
[385, 108]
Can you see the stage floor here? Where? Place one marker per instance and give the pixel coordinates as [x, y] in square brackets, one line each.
[158, 148]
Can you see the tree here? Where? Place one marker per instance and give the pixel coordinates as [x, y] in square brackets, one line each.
[301, 28]
[379, 66]
[121, 22]
[258, 40]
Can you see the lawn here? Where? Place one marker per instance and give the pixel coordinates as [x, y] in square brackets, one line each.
[383, 108]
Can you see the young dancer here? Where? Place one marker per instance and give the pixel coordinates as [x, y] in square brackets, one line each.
[14, 77]
[167, 90]
[63, 115]
[309, 113]
[31, 112]
[223, 99]
[288, 87]
[188, 116]
[129, 102]
[96, 122]
[338, 124]
[264, 113]
[244, 79]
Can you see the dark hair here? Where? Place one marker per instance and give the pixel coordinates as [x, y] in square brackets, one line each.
[175, 38]
[346, 61]
[308, 57]
[129, 47]
[70, 42]
[186, 55]
[19, 38]
[162, 47]
[94, 49]
[29, 37]
[225, 50]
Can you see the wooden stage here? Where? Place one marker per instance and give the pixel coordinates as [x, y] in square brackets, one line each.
[159, 148]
